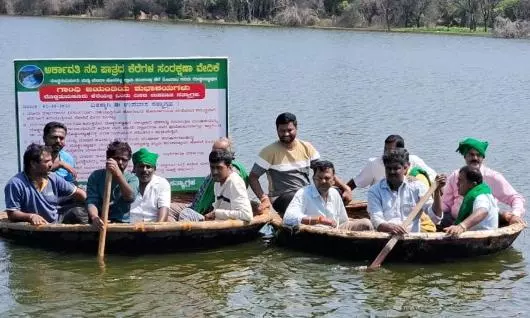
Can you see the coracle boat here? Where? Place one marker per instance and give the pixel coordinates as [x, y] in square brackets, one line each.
[423, 247]
[135, 238]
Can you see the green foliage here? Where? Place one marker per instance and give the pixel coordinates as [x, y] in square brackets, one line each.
[508, 8]
[441, 16]
[118, 9]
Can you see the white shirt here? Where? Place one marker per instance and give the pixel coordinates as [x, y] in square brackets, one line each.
[374, 171]
[307, 202]
[231, 199]
[387, 206]
[488, 203]
[145, 207]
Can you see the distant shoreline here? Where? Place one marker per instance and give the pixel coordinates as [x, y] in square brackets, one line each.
[411, 30]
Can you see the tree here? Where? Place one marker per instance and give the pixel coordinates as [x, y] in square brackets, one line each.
[468, 11]
[368, 9]
[388, 9]
[487, 8]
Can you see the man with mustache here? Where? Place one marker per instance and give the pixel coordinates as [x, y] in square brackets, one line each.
[124, 187]
[231, 197]
[204, 198]
[474, 152]
[320, 204]
[287, 163]
[478, 210]
[54, 136]
[374, 171]
[391, 200]
[33, 194]
[154, 197]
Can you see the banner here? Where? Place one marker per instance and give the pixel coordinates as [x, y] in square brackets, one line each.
[174, 107]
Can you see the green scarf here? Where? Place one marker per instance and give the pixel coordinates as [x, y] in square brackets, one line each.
[205, 196]
[417, 170]
[467, 204]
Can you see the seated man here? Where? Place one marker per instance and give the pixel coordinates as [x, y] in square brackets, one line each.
[231, 197]
[478, 210]
[320, 203]
[33, 195]
[374, 171]
[474, 152]
[392, 199]
[204, 198]
[54, 136]
[154, 197]
[124, 186]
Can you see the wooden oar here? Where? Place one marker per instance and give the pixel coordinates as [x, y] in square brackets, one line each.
[105, 215]
[390, 245]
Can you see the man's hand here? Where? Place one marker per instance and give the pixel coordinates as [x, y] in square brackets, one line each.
[441, 180]
[265, 203]
[209, 216]
[454, 230]
[325, 221]
[68, 168]
[97, 222]
[113, 168]
[517, 219]
[392, 228]
[36, 219]
[511, 218]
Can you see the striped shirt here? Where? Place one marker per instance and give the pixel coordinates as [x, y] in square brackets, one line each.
[287, 169]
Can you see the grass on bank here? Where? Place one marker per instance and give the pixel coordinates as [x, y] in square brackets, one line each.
[443, 30]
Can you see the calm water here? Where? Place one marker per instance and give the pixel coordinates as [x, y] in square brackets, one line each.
[349, 91]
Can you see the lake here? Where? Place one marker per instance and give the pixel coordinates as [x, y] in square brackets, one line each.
[349, 91]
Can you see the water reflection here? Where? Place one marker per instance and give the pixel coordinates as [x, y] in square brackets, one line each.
[456, 287]
[253, 280]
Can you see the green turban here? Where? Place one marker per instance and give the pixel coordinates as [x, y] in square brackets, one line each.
[465, 145]
[144, 156]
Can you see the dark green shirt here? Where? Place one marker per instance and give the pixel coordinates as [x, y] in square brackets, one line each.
[119, 207]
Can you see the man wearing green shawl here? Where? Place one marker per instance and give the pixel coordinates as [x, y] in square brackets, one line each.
[474, 152]
[154, 198]
[478, 210]
[204, 198]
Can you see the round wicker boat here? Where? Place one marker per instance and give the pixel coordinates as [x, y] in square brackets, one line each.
[135, 238]
[425, 247]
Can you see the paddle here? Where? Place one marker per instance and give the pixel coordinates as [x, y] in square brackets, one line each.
[390, 245]
[105, 215]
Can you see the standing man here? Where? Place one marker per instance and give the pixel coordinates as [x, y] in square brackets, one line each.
[124, 186]
[391, 200]
[154, 198]
[54, 136]
[33, 194]
[320, 203]
[287, 163]
[474, 152]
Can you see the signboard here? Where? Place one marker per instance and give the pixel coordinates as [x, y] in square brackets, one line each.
[174, 107]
